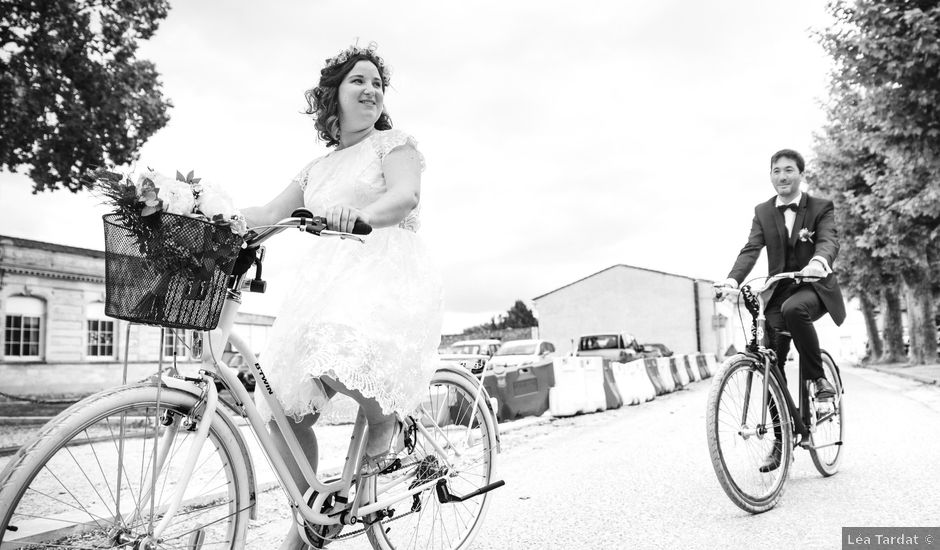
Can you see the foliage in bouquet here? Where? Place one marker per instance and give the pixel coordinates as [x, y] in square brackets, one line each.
[142, 206]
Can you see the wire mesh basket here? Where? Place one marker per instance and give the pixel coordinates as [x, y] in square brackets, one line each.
[167, 270]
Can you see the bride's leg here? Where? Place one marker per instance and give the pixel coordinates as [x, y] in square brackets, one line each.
[382, 427]
[308, 442]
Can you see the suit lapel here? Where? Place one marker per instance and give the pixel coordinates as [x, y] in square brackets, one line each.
[778, 221]
[800, 219]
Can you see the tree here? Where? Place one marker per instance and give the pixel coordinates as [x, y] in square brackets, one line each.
[887, 68]
[73, 97]
[518, 316]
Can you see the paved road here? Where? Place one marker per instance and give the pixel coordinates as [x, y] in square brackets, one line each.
[641, 477]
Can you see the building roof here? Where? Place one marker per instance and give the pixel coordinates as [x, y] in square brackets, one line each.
[52, 247]
[693, 279]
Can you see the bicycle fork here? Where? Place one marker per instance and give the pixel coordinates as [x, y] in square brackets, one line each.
[211, 400]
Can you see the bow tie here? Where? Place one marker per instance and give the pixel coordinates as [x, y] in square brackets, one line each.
[784, 207]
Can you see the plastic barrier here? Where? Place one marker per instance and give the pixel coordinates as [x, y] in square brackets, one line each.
[665, 375]
[579, 386]
[711, 363]
[611, 390]
[633, 381]
[520, 391]
[702, 367]
[679, 374]
[691, 367]
[594, 384]
[652, 371]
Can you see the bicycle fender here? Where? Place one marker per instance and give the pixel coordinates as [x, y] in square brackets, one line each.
[838, 370]
[192, 389]
[485, 396]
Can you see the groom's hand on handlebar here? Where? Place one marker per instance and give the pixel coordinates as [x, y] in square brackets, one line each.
[722, 289]
[813, 271]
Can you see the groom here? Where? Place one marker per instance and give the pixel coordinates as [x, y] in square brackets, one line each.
[800, 234]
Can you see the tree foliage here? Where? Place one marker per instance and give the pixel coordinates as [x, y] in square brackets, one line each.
[884, 132]
[518, 316]
[73, 96]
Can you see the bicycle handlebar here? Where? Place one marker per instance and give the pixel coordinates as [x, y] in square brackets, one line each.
[303, 219]
[723, 292]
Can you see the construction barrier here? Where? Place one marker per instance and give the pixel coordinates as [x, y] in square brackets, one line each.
[691, 367]
[633, 381]
[665, 374]
[579, 386]
[702, 367]
[652, 371]
[521, 390]
[611, 390]
[711, 363]
[679, 374]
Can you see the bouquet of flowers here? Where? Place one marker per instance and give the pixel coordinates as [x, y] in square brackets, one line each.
[170, 245]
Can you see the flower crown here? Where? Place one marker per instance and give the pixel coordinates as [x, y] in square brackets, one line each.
[352, 51]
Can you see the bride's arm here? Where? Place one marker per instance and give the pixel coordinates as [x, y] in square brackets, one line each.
[279, 208]
[402, 169]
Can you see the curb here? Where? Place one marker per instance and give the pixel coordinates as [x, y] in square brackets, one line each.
[901, 374]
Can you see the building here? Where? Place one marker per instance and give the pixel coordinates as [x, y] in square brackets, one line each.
[56, 338]
[653, 306]
[675, 310]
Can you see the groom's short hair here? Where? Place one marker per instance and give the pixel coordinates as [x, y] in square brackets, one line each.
[789, 154]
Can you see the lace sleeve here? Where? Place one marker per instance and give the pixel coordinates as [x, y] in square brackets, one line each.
[390, 140]
[301, 178]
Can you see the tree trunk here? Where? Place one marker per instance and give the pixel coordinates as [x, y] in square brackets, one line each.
[920, 315]
[893, 326]
[875, 347]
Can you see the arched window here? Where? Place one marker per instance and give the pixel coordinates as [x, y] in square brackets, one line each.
[22, 327]
[99, 332]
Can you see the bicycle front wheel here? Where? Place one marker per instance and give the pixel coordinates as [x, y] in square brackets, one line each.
[830, 425]
[88, 480]
[740, 442]
[457, 440]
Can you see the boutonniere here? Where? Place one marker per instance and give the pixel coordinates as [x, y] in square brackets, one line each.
[806, 235]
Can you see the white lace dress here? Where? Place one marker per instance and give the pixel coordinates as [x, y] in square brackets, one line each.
[367, 315]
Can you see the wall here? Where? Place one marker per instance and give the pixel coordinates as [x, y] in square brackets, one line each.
[651, 305]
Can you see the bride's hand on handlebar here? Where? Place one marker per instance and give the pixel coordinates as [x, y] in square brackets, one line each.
[343, 218]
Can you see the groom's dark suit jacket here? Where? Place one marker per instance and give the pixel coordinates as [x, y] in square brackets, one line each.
[789, 252]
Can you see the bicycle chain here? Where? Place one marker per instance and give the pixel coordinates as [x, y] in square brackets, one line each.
[384, 521]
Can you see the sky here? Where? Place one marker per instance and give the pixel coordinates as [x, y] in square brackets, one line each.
[560, 137]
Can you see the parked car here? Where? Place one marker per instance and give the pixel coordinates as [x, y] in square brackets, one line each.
[615, 346]
[518, 353]
[472, 354]
[663, 350]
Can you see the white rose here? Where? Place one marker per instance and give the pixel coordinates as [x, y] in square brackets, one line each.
[177, 196]
[213, 200]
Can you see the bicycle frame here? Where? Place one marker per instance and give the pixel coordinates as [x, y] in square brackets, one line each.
[802, 422]
[214, 342]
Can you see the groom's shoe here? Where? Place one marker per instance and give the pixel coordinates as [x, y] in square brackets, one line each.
[772, 462]
[824, 389]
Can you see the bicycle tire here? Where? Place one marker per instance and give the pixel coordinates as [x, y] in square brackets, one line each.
[457, 417]
[68, 477]
[827, 459]
[724, 436]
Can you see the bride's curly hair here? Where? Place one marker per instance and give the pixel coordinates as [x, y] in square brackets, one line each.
[323, 100]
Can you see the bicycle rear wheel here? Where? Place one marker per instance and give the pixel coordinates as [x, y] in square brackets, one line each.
[86, 481]
[830, 425]
[737, 441]
[467, 436]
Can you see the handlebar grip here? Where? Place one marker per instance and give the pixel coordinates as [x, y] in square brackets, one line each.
[361, 228]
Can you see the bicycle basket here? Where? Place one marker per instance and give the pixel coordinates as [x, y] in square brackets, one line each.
[167, 270]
